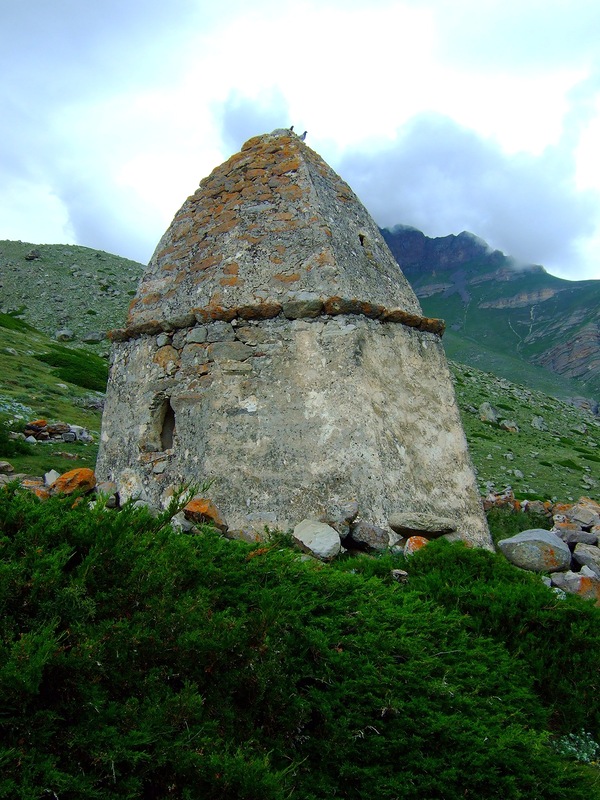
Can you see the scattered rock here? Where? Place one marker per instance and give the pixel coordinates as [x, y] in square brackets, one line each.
[487, 413]
[76, 480]
[64, 335]
[51, 477]
[92, 337]
[575, 537]
[317, 538]
[414, 543]
[399, 575]
[509, 425]
[536, 550]
[588, 555]
[6, 467]
[201, 510]
[583, 583]
[371, 536]
[430, 526]
[539, 423]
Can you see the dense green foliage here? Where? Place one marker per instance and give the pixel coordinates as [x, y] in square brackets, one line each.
[138, 662]
[78, 367]
[10, 447]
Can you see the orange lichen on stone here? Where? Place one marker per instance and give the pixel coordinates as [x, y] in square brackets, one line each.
[325, 257]
[590, 588]
[38, 423]
[399, 315]
[231, 280]
[224, 227]
[215, 313]
[276, 259]
[76, 480]
[340, 305]
[202, 510]
[231, 269]
[266, 310]
[206, 263]
[166, 355]
[414, 543]
[371, 310]
[151, 298]
[291, 165]
[283, 278]
[290, 191]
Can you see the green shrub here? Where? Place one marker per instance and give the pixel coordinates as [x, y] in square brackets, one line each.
[505, 522]
[558, 640]
[138, 662]
[11, 447]
[568, 463]
[78, 367]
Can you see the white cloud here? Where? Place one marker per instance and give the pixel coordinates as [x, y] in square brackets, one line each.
[114, 111]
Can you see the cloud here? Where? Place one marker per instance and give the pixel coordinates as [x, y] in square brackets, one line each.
[243, 117]
[443, 178]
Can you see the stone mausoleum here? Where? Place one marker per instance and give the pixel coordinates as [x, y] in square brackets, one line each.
[275, 348]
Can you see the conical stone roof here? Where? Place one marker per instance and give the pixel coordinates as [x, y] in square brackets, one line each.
[271, 225]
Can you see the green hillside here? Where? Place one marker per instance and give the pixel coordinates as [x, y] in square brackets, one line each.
[40, 378]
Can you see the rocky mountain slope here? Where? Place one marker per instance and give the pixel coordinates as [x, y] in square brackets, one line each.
[513, 320]
[67, 287]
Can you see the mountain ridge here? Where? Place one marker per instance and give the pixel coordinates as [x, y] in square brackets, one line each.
[490, 301]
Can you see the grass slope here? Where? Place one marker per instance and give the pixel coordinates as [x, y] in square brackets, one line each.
[31, 388]
[562, 462]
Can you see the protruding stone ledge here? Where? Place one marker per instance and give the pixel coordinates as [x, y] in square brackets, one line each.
[331, 307]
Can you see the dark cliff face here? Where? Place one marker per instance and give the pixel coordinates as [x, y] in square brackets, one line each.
[502, 316]
[417, 253]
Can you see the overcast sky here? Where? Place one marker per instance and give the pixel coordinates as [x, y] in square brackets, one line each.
[448, 115]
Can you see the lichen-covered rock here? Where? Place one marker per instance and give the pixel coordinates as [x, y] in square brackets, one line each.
[584, 583]
[317, 538]
[536, 550]
[414, 543]
[201, 510]
[585, 513]
[81, 479]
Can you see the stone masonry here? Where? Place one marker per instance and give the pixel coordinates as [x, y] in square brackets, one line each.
[275, 347]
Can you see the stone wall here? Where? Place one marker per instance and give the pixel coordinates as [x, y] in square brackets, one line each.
[292, 418]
